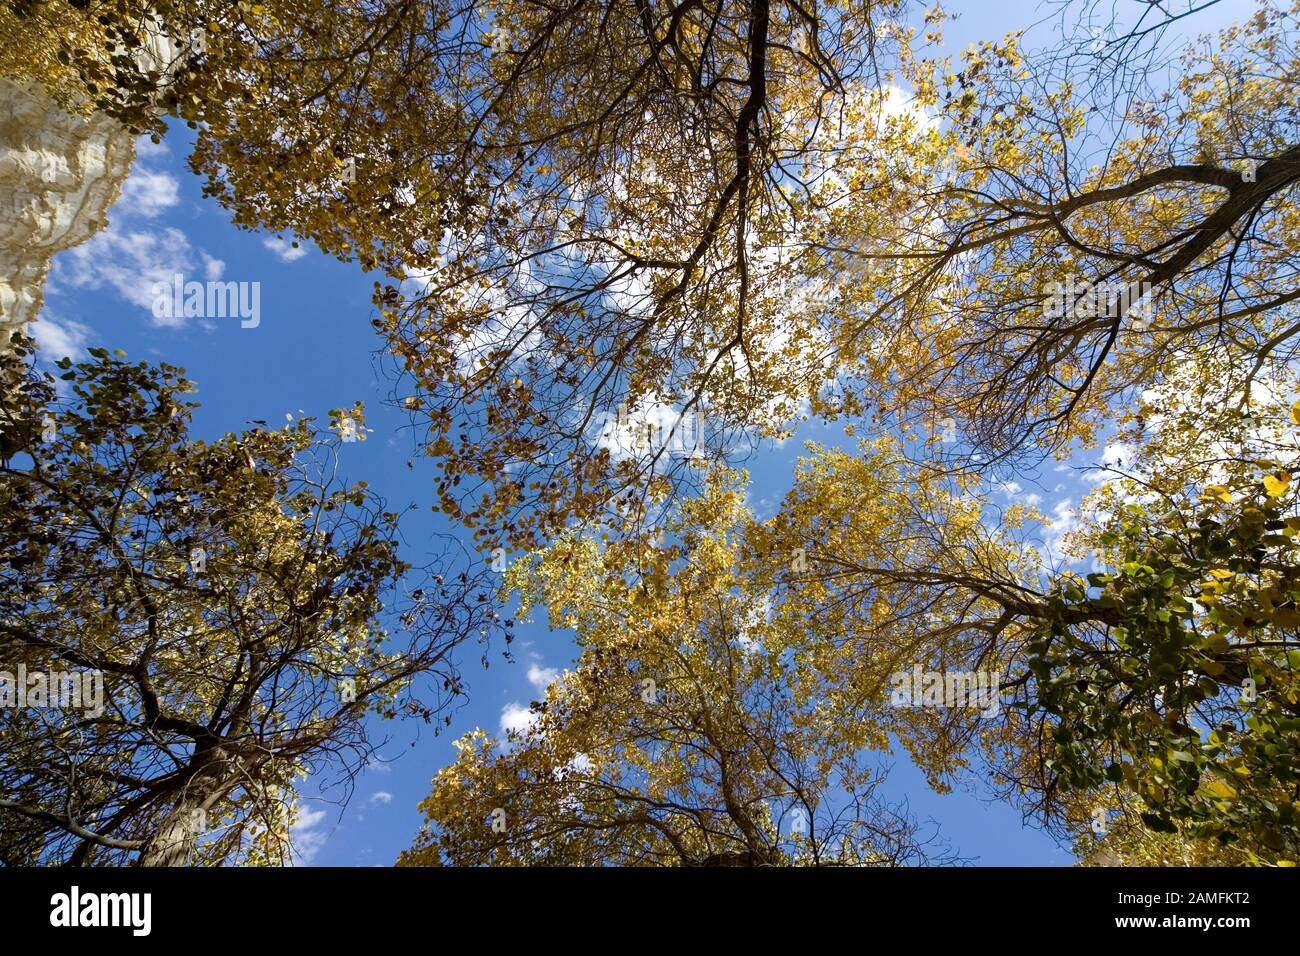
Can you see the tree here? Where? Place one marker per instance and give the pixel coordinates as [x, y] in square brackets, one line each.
[231, 599]
[605, 225]
[691, 732]
[1148, 709]
[873, 249]
[738, 210]
[1171, 677]
[313, 118]
[574, 197]
[1155, 695]
[1059, 252]
[1177, 680]
[44, 55]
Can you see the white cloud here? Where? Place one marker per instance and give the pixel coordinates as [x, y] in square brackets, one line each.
[283, 249]
[649, 425]
[306, 840]
[130, 263]
[145, 148]
[1064, 520]
[59, 338]
[1112, 460]
[541, 677]
[381, 796]
[148, 193]
[518, 718]
[581, 763]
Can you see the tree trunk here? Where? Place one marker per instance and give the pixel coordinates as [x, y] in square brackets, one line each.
[176, 837]
[173, 843]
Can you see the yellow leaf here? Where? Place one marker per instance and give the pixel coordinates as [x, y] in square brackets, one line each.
[1216, 492]
[1221, 789]
[1276, 487]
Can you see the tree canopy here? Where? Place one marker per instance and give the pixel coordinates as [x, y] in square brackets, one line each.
[237, 602]
[618, 245]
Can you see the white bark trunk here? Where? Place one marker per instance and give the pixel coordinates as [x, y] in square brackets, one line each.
[59, 175]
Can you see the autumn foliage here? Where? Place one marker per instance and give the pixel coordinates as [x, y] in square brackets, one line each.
[762, 214]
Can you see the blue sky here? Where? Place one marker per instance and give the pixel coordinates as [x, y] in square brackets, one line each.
[314, 349]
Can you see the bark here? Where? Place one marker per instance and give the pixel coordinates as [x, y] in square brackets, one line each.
[176, 837]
